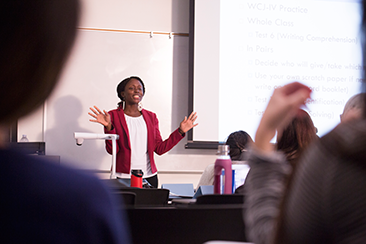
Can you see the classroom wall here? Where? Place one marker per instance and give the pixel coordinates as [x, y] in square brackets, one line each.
[105, 53]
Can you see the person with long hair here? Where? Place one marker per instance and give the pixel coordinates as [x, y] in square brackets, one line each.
[322, 199]
[294, 138]
[42, 202]
[138, 130]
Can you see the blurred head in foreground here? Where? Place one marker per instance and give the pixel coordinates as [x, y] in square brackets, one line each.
[36, 38]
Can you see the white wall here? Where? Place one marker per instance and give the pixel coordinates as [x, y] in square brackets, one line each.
[99, 61]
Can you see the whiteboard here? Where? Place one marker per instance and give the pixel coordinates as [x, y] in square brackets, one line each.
[98, 62]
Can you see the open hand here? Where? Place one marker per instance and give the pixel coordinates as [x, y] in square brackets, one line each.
[100, 117]
[188, 123]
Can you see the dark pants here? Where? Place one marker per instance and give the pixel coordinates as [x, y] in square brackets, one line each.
[153, 180]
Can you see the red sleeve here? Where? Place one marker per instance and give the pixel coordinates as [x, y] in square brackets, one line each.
[161, 146]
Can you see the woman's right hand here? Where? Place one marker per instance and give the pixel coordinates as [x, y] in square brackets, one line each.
[281, 109]
[100, 117]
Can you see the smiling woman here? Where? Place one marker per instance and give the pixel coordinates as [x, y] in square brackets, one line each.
[138, 130]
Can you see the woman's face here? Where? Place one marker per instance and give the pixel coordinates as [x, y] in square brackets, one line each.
[133, 92]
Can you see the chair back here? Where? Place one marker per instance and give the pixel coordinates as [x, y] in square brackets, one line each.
[128, 198]
[148, 196]
[143, 196]
[220, 199]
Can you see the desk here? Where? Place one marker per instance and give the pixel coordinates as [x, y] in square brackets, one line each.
[30, 147]
[181, 224]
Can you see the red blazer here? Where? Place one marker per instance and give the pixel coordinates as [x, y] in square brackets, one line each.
[154, 140]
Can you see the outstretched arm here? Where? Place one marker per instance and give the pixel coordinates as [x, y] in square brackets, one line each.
[265, 183]
[161, 146]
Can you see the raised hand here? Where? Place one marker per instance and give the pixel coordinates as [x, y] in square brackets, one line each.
[281, 109]
[100, 117]
[188, 123]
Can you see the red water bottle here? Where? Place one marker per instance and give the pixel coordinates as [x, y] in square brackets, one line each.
[223, 162]
[136, 178]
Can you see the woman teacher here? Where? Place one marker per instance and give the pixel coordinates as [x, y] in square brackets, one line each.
[138, 130]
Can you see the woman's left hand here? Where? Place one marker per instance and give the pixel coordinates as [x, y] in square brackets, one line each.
[188, 123]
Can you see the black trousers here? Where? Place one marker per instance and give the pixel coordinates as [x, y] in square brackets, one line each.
[153, 180]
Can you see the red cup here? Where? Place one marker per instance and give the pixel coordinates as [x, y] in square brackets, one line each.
[136, 178]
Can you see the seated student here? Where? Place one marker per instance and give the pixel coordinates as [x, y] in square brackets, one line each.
[238, 142]
[296, 137]
[323, 200]
[293, 139]
[42, 202]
